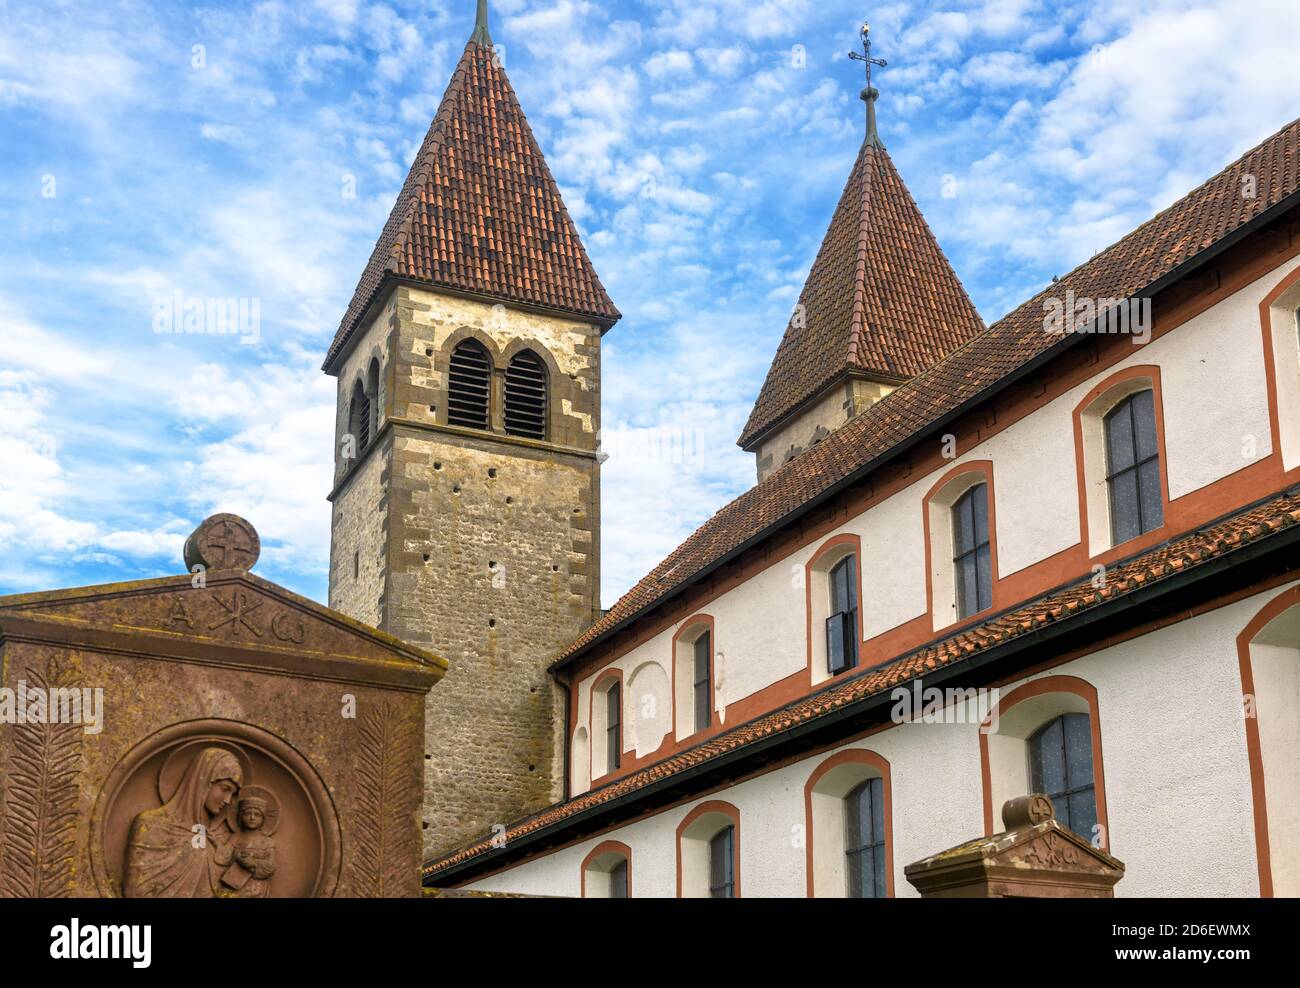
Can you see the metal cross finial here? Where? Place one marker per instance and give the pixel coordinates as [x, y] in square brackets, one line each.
[869, 94]
[866, 53]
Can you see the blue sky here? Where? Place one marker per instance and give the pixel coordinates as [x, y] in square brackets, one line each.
[155, 148]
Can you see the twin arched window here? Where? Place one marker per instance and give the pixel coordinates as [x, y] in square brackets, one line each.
[469, 399]
[365, 408]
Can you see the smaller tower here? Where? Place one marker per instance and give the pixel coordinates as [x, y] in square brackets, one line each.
[881, 304]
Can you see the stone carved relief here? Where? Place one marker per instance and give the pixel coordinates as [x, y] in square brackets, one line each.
[233, 813]
[41, 783]
[386, 798]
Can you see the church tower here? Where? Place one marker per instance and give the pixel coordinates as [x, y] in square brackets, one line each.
[466, 501]
[880, 306]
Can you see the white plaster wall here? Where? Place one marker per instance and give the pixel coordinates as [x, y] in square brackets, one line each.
[759, 645]
[1181, 822]
[893, 561]
[1214, 395]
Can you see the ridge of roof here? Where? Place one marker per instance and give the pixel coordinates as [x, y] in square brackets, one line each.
[1175, 236]
[1181, 554]
[480, 212]
[906, 308]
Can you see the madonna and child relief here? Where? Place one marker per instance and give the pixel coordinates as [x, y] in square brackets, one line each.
[211, 837]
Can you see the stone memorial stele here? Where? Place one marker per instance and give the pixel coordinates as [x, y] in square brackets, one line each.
[210, 735]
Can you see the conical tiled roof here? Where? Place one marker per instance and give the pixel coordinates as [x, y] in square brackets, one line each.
[480, 211]
[881, 298]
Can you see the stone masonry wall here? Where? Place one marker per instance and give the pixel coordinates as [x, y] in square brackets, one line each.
[486, 545]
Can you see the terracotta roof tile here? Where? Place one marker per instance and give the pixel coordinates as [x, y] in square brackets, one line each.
[1191, 550]
[1194, 223]
[881, 298]
[480, 211]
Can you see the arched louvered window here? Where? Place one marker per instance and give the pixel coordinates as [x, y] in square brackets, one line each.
[359, 417]
[526, 396]
[469, 386]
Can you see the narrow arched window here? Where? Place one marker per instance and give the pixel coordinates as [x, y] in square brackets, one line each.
[469, 386]
[359, 417]
[703, 680]
[842, 625]
[1133, 468]
[1060, 767]
[526, 396]
[722, 864]
[864, 840]
[972, 551]
[614, 726]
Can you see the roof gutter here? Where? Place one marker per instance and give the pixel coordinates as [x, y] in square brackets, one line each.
[1004, 382]
[1096, 623]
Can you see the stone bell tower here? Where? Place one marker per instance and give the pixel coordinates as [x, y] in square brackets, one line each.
[466, 501]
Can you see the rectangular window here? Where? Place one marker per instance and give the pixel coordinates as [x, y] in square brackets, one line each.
[1133, 468]
[722, 864]
[864, 840]
[614, 732]
[842, 625]
[703, 677]
[356, 564]
[972, 552]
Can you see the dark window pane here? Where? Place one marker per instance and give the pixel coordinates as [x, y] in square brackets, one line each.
[703, 675]
[1144, 425]
[1083, 813]
[722, 880]
[1153, 511]
[967, 587]
[836, 645]
[614, 732]
[1119, 438]
[984, 577]
[853, 866]
[1125, 520]
[850, 565]
[1047, 754]
[878, 810]
[1078, 750]
[1060, 760]
[864, 840]
[979, 499]
[963, 526]
[618, 881]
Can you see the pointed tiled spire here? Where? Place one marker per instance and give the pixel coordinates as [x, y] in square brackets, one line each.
[480, 213]
[881, 301]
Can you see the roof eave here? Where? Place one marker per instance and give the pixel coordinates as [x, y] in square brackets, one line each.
[1067, 342]
[1142, 602]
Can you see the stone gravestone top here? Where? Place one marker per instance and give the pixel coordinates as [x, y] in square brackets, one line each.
[223, 542]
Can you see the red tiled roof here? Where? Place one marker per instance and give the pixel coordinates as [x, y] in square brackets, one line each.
[1178, 556]
[881, 298]
[480, 211]
[1174, 236]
